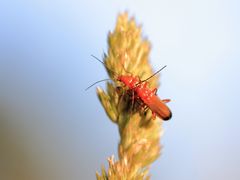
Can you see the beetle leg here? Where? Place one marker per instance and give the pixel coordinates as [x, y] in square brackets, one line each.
[153, 115]
[132, 101]
[166, 100]
[155, 91]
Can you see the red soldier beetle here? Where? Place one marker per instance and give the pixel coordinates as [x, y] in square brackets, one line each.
[148, 96]
[144, 93]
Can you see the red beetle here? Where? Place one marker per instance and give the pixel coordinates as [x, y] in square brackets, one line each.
[144, 93]
[148, 96]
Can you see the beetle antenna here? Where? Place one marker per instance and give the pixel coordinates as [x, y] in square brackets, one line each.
[104, 64]
[96, 83]
[155, 73]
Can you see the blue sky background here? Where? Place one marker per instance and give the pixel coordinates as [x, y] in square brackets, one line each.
[50, 128]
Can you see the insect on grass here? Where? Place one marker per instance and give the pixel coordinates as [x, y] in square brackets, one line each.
[141, 91]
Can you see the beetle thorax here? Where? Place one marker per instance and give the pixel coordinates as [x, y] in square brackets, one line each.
[129, 81]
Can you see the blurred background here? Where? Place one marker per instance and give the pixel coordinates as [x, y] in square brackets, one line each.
[51, 129]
